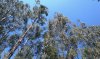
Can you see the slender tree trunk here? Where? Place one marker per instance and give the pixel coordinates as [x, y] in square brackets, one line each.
[17, 44]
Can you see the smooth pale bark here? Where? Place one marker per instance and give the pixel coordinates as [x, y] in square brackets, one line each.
[17, 44]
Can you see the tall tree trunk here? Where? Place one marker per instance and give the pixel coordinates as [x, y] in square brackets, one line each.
[17, 44]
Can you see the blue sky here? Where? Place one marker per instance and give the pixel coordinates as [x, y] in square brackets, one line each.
[87, 11]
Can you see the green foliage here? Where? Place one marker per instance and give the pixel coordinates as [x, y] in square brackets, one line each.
[61, 32]
[43, 10]
[51, 52]
[25, 53]
[72, 53]
[1, 29]
[32, 38]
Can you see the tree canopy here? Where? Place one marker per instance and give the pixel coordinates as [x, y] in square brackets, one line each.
[28, 34]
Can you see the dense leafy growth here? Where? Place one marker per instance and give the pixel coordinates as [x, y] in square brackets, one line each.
[26, 34]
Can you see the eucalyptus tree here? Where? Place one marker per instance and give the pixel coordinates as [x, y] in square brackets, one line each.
[63, 35]
[92, 40]
[20, 28]
[53, 37]
[24, 35]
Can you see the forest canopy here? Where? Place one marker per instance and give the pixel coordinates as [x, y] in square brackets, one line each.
[28, 34]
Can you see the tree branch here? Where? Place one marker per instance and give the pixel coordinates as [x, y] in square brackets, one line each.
[17, 44]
